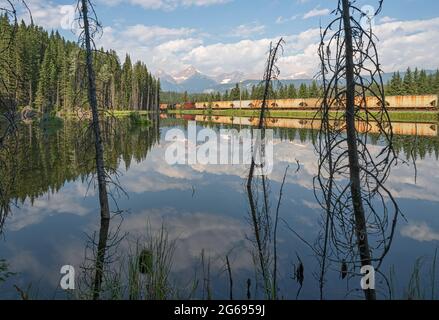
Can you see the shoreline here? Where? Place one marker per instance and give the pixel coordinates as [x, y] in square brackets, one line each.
[396, 116]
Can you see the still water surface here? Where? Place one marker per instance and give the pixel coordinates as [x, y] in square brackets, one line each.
[203, 207]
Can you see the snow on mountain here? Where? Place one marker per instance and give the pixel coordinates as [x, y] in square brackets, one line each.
[193, 81]
[187, 74]
[230, 78]
[163, 76]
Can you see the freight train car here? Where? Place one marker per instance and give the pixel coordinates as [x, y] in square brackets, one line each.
[426, 102]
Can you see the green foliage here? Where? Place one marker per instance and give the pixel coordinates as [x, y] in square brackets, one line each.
[235, 94]
[413, 83]
[51, 124]
[139, 119]
[49, 74]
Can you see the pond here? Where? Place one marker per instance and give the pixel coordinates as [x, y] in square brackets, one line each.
[203, 209]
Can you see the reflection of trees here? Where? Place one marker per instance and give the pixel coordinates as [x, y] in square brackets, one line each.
[422, 146]
[417, 147]
[47, 158]
[9, 80]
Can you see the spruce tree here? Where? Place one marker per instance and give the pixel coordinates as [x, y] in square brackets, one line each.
[303, 91]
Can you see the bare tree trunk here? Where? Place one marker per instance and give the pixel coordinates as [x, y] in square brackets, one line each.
[100, 165]
[260, 239]
[354, 165]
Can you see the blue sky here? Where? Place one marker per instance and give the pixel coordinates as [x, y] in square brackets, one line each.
[220, 36]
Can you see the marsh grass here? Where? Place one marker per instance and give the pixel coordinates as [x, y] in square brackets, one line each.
[136, 270]
[422, 282]
[149, 267]
[397, 116]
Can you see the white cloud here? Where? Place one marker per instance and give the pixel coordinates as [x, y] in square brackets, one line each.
[281, 19]
[145, 34]
[420, 231]
[387, 19]
[166, 4]
[401, 44]
[316, 12]
[50, 15]
[248, 30]
[408, 43]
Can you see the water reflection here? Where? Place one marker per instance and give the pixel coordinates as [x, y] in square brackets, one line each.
[202, 207]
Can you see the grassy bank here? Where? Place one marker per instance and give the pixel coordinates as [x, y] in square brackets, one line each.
[126, 113]
[398, 116]
[110, 113]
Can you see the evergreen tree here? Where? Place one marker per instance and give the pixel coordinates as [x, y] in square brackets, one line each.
[408, 83]
[46, 72]
[292, 92]
[303, 91]
[127, 83]
[235, 93]
[314, 90]
[422, 85]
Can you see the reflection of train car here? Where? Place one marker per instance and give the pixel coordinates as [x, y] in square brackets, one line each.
[399, 128]
[256, 104]
[186, 106]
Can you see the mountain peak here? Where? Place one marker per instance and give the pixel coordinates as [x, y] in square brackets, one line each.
[164, 76]
[230, 78]
[186, 74]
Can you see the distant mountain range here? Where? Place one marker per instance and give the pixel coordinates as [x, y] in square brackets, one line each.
[193, 81]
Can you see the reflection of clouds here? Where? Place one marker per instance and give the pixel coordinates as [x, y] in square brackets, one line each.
[167, 177]
[420, 231]
[155, 175]
[36, 270]
[66, 201]
[311, 205]
[25, 261]
[141, 184]
[193, 232]
[402, 181]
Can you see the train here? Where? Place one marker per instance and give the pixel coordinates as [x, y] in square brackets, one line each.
[424, 102]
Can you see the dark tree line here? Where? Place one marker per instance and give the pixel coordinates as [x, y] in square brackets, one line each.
[50, 75]
[280, 91]
[417, 82]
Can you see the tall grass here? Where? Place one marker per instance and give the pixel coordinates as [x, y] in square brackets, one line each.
[422, 282]
[136, 272]
[397, 116]
[149, 268]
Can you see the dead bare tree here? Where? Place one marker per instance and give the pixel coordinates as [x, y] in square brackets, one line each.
[260, 217]
[90, 26]
[352, 176]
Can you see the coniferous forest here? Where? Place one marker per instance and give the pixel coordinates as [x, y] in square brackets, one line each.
[47, 73]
